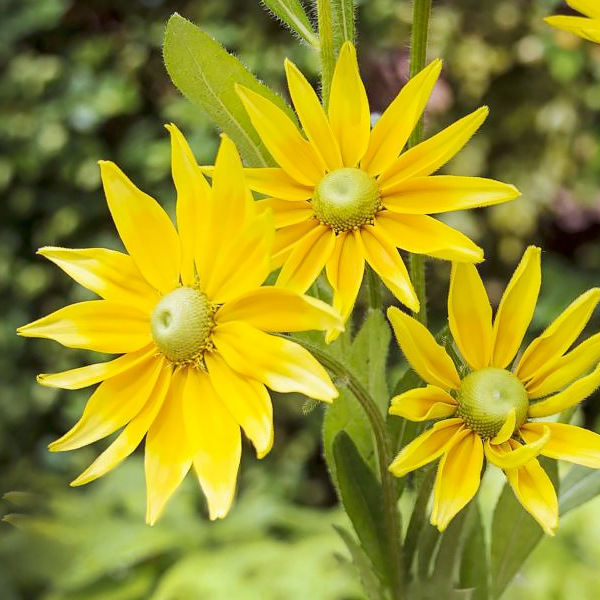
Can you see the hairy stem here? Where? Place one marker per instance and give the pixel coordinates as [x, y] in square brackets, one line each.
[326, 49]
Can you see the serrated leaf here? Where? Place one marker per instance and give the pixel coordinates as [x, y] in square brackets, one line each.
[293, 15]
[342, 21]
[579, 485]
[206, 74]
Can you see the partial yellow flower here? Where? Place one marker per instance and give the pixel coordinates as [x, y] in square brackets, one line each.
[186, 311]
[491, 412]
[344, 193]
[586, 28]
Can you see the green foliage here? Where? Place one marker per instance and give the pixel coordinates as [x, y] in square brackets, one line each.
[293, 15]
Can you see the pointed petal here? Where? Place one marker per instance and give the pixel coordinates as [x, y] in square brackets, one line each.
[457, 480]
[516, 308]
[285, 212]
[423, 404]
[193, 200]
[312, 117]
[115, 402]
[443, 193]
[428, 446]
[428, 156]
[307, 259]
[576, 25]
[97, 325]
[508, 429]
[567, 442]
[349, 113]
[382, 255]
[278, 362]
[519, 456]
[110, 274]
[247, 401]
[559, 335]
[282, 138]
[470, 315]
[421, 234]
[130, 438]
[570, 396]
[140, 222]
[586, 7]
[392, 130]
[75, 379]
[287, 237]
[167, 455]
[425, 355]
[216, 442]
[274, 181]
[274, 309]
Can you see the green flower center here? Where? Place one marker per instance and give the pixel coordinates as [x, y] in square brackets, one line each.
[346, 199]
[486, 397]
[181, 325]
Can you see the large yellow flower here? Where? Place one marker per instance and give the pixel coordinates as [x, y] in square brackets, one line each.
[492, 410]
[344, 194]
[186, 311]
[587, 28]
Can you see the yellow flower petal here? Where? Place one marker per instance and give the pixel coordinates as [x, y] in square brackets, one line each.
[307, 259]
[110, 274]
[457, 480]
[516, 308]
[425, 355]
[279, 363]
[586, 7]
[422, 404]
[114, 403]
[75, 379]
[247, 401]
[470, 315]
[287, 237]
[97, 325]
[382, 255]
[567, 442]
[535, 492]
[507, 430]
[167, 454]
[349, 113]
[519, 456]
[274, 181]
[585, 28]
[274, 309]
[428, 156]
[392, 130]
[141, 221]
[421, 234]
[443, 193]
[193, 197]
[130, 438]
[285, 212]
[312, 117]
[559, 336]
[282, 138]
[428, 446]
[570, 396]
[217, 443]
[565, 369]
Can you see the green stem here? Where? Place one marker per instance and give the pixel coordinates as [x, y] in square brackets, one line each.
[374, 289]
[384, 458]
[326, 49]
[418, 56]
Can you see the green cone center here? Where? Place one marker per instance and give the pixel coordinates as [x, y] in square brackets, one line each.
[181, 324]
[346, 199]
[486, 397]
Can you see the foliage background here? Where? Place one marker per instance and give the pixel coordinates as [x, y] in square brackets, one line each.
[83, 80]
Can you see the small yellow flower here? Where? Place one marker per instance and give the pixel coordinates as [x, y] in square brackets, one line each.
[587, 28]
[186, 311]
[345, 193]
[493, 410]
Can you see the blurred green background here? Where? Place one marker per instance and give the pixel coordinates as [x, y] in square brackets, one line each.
[83, 81]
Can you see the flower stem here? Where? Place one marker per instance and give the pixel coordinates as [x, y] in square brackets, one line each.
[326, 49]
[418, 56]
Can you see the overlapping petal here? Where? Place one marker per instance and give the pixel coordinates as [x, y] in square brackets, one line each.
[514, 458]
[285, 212]
[274, 181]
[422, 404]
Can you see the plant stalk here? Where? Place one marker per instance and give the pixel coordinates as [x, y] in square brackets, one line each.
[326, 48]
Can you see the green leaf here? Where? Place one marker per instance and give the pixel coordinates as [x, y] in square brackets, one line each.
[293, 15]
[579, 485]
[474, 569]
[362, 498]
[342, 21]
[206, 74]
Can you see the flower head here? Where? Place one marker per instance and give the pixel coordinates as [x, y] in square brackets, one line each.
[186, 311]
[587, 27]
[491, 412]
[344, 193]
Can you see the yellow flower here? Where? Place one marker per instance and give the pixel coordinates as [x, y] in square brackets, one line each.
[489, 411]
[587, 28]
[345, 194]
[186, 311]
